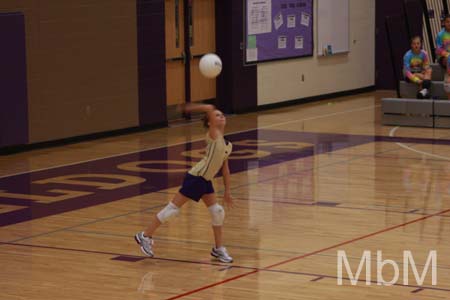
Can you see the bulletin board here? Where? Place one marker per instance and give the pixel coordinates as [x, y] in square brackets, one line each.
[278, 29]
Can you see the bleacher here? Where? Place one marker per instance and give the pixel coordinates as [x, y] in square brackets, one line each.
[407, 110]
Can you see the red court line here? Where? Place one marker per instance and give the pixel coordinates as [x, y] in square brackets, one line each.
[213, 285]
[306, 255]
[226, 266]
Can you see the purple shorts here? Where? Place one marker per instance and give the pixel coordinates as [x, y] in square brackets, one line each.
[194, 187]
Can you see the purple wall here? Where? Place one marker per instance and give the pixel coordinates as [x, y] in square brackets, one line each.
[384, 74]
[237, 85]
[151, 62]
[13, 81]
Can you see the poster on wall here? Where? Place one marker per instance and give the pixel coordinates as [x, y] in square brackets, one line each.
[278, 29]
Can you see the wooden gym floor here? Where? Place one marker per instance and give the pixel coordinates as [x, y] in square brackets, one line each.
[309, 180]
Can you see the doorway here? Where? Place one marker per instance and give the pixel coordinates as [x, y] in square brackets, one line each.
[190, 33]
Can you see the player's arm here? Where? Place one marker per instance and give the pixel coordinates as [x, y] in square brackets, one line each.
[194, 107]
[226, 182]
[407, 70]
[208, 109]
[426, 61]
[427, 70]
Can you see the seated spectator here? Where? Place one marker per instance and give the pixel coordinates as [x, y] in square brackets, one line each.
[416, 68]
[443, 51]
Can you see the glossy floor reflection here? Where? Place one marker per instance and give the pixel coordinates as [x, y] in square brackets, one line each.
[309, 181]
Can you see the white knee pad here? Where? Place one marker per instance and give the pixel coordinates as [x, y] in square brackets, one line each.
[217, 214]
[171, 210]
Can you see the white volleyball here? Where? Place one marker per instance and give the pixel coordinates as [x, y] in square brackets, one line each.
[210, 65]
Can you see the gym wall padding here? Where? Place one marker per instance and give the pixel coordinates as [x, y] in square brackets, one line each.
[237, 85]
[81, 66]
[414, 17]
[151, 62]
[399, 41]
[13, 81]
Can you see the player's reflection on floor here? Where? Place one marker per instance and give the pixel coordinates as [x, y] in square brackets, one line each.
[147, 283]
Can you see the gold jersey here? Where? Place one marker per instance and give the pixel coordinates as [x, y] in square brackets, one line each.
[217, 151]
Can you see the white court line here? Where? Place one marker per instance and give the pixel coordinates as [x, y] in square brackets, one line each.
[192, 141]
[391, 134]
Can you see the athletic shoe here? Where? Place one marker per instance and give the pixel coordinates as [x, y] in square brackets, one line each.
[422, 94]
[221, 254]
[146, 243]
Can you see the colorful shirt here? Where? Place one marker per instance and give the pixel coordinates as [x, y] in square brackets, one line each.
[443, 44]
[415, 63]
[217, 151]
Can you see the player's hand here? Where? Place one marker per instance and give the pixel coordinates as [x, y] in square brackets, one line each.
[421, 76]
[228, 200]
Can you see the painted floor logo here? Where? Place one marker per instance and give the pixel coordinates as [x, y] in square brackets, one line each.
[409, 265]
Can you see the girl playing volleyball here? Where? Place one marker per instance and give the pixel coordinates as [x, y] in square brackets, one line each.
[197, 184]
